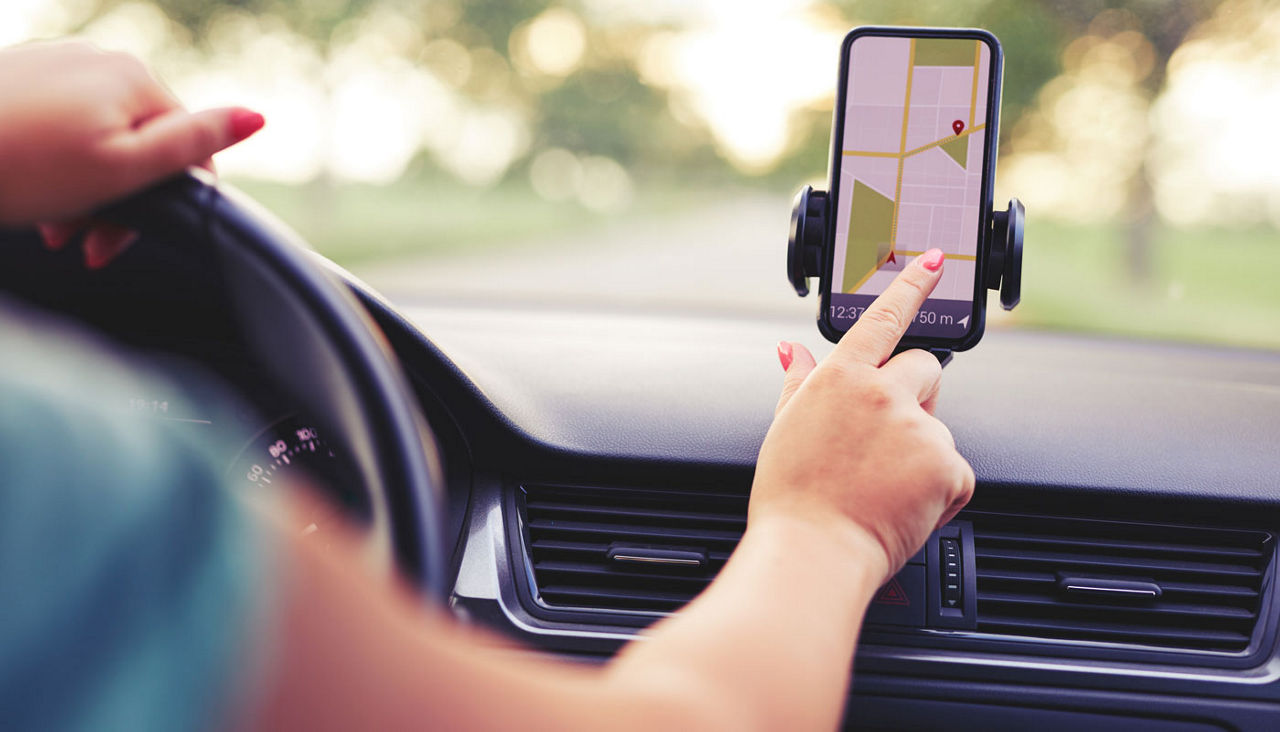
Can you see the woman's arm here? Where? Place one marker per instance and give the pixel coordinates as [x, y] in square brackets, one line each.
[852, 477]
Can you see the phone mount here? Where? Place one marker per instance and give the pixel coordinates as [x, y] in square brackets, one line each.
[810, 215]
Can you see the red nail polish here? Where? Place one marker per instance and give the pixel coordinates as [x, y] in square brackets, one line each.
[245, 122]
[105, 242]
[784, 354]
[55, 235]
[932, 259]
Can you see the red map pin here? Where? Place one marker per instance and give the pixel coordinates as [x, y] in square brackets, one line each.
[958, 126]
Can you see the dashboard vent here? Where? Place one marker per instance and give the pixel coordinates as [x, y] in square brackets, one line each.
[624, 549]
[1162, 586]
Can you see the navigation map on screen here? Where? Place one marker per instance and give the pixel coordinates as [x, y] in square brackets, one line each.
[914, 145]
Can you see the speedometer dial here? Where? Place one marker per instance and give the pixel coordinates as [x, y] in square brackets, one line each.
[294, 452]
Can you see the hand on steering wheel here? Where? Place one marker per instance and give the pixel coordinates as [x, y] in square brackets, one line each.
[96, 127]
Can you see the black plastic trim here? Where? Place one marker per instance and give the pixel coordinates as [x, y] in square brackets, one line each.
[958, 639]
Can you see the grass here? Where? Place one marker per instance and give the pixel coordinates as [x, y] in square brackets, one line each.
[1208, 285]
[353, 224]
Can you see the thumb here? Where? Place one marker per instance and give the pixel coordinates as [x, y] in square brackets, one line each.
[798, 362]
[170, 142]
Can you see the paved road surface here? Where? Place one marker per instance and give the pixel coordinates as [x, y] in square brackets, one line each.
[727, 256]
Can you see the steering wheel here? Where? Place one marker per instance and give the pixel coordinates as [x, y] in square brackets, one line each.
[301, 330]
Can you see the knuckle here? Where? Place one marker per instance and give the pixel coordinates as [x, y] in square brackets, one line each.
[877, 394]
[912, 281]
[204, 136]
[887, 315]
[106, 158]
[832, 372]
[969, 480]
[922, 362]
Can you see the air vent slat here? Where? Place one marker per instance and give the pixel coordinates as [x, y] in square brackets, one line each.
[1210, 581]
[1127, 564]
[1195, 589]
[636, 515]
[1125, 546]
[577, 596]
[986, 574]
[1116, 632]
[1028, 569]
[681, 536]
[997, 577]
[624, 574]
[1206, 612]
[570, 531]
[581, 547]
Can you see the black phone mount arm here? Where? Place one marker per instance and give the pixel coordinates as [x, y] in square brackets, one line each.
[1004, 264]
[811, 209]
[804, 246]
[810, 215]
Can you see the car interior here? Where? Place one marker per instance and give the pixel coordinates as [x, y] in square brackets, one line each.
[1116, 567]
[528, 346]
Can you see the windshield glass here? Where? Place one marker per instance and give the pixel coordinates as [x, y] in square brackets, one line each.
[595, 153]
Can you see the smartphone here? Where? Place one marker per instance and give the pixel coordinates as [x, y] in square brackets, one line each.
[913, 150]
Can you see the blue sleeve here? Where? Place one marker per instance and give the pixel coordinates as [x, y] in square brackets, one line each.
[133, 580]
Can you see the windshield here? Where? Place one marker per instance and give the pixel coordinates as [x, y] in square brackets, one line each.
[643, 156]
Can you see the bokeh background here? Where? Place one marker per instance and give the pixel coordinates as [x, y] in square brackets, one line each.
[643, 154]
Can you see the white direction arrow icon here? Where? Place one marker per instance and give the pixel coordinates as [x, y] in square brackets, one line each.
[963, 322]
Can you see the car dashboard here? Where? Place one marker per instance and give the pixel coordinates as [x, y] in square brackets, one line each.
[1115, 568]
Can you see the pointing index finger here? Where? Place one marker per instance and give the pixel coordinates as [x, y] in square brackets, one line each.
[872, 339]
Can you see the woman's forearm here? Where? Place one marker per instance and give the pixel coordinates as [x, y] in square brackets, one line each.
[771, 640]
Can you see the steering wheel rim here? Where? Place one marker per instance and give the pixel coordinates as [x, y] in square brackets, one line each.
[369, 402]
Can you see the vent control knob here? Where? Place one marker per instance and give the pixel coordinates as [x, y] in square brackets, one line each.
[952, 592]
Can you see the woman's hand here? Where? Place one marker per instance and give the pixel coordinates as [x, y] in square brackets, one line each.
[80, 127]
[854, 447]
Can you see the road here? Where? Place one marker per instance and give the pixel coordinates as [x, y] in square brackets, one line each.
[729, 255]
[726, 258]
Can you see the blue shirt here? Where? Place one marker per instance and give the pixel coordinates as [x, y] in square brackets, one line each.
[131, 580]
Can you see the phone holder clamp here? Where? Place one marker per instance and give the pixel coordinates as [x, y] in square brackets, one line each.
[809, 220]
[1004, 265]
[804, 245]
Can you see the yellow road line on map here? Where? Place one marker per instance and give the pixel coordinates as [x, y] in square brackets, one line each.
[866, 277]
[965, 257]
[973, 96]
[904, 253]
[936, 143]
[872, 154]
[909, 153]
[902, 146]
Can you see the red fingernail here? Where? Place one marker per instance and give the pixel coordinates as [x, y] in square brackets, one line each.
[932, 259]
[784, 354]
[245, 122]
[105, 242]
[55, 235]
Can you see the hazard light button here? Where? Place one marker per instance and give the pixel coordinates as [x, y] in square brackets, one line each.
[901, 600]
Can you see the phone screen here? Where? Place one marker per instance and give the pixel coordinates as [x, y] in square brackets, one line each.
[911, 174]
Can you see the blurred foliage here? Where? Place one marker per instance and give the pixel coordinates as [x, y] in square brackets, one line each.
[603, 108]
[607, 112]
[1131, 275]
